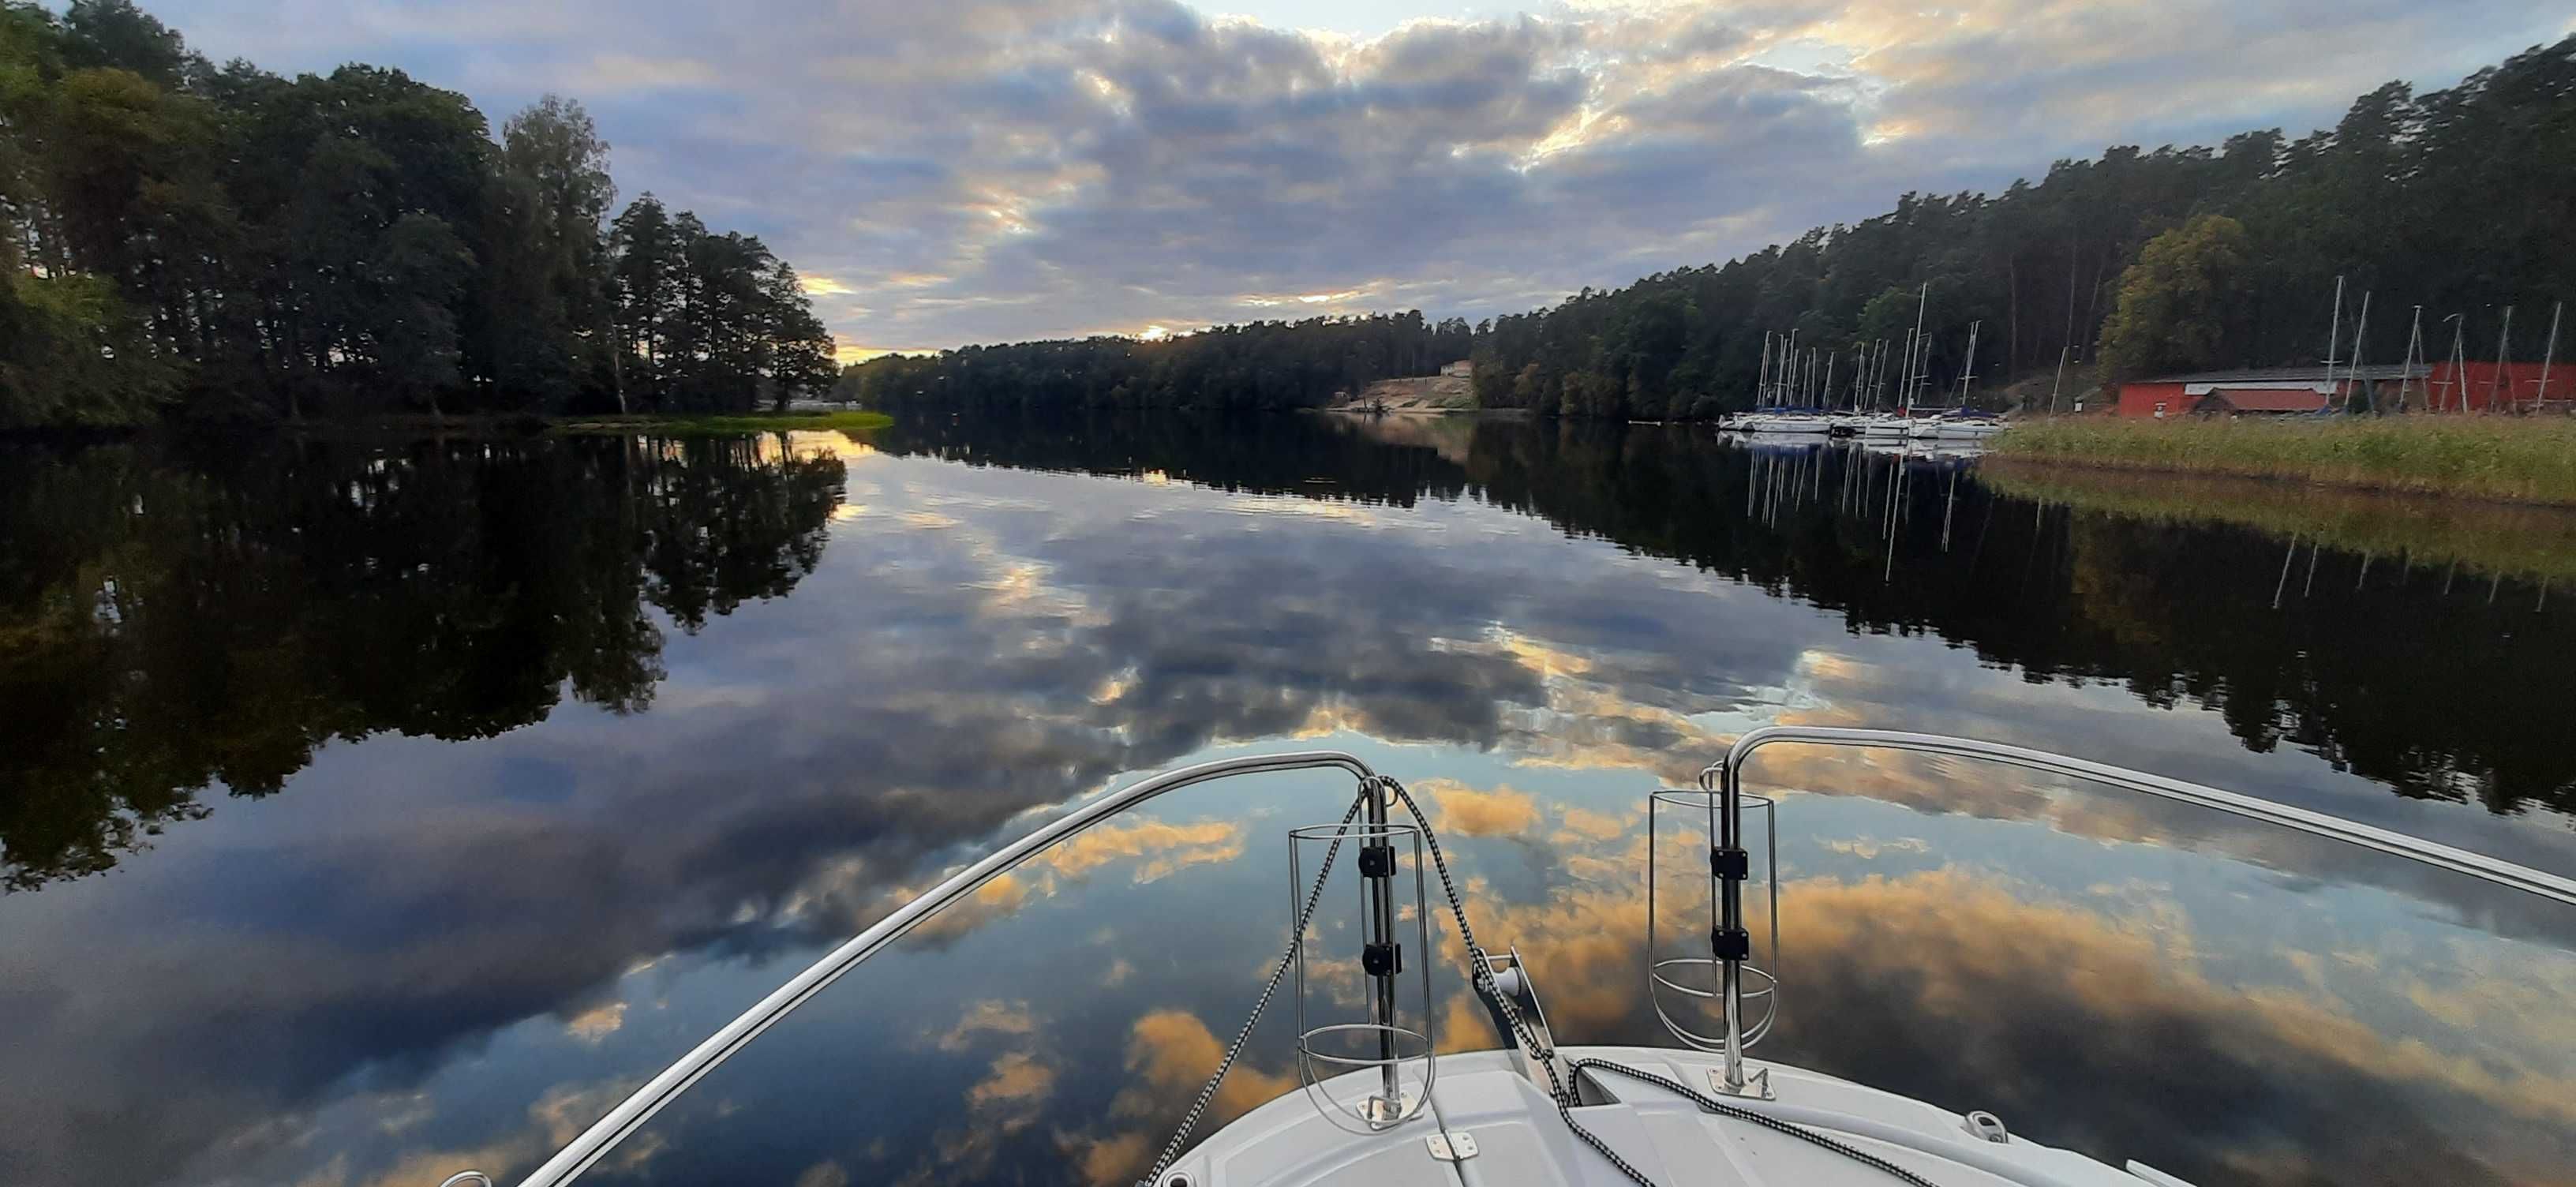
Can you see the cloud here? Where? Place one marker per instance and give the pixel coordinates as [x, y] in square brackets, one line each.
[1501, 812]
[1159, 848]
[335, 937]
[616, 73]
[593, 1025]
[1946, 987]
[1106, 165]
[824, 1174]
[1112, 1160]
[1016, 1079]
[559, 1115]
[1173, 1053]
[1007, 1019]
[1578, 825]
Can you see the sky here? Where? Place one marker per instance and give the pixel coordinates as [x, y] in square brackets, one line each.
[997, 170]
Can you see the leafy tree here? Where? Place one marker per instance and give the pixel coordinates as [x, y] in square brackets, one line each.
[800, 359]
[549, 256]
[117, 35]
[645, 289]
[71, 353]
[2177, 302]
[418, 279]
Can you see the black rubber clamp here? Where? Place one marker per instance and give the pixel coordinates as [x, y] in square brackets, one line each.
[1377, 861]
[1734, 865]
[1382, 960]
[1730, 943]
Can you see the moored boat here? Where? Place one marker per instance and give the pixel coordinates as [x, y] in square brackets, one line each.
[1793, 421]
[1955, 426]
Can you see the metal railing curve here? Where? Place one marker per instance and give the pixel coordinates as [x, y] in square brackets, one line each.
[1730, 779]
[639, 1106]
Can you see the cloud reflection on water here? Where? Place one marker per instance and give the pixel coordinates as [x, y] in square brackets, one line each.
[388, 925]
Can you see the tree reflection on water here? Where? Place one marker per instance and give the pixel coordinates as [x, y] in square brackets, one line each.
[178, 620]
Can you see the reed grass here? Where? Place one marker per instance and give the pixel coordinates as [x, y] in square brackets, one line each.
[2483, 537]
[2513, 459]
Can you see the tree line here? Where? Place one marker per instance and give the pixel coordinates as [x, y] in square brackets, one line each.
[1262, 365]
[228, 243]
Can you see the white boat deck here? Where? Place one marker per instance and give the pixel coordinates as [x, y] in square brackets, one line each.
[1520, 1141]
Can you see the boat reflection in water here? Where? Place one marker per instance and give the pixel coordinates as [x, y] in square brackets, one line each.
[489, 777]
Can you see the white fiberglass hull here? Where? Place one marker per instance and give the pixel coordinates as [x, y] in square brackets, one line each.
[1520, 1141]
[1973, 430]
[1810, 425]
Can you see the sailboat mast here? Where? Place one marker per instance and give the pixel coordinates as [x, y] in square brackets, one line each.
[2459, 360]
[2352, 371]
[2548, 355]
[1790, 358]
[2060, 381]
[1905, 366]
[1922, 301]
[2406, 369]
[1878, 379]
[1762, 375]
[2334, 336]
[1968, 370]
[2503, 338]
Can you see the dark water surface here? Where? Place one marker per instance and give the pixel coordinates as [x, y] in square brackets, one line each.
[373, 810]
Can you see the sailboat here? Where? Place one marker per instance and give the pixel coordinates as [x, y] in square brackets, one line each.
[1783, 380]
[1886, 426]
[1959, 423]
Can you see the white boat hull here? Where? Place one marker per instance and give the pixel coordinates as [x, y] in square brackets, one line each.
[1954, 431]
[1520, 1141]
[1799, 425]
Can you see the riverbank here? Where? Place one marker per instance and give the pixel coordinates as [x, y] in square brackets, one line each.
[1420, 393]
[2535, 542]
[2506, 459]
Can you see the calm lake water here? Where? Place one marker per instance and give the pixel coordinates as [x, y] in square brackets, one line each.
[372, 810]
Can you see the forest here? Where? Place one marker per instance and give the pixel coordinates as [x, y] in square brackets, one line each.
[2462, 201]
[1263, 365]
[222, 243]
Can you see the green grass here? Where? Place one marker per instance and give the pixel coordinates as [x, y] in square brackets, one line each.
[2512, 459]
[2479, 536]
[714, 424]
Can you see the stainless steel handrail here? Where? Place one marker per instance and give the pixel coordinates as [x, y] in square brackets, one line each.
[1731, 779]
[639, 1107]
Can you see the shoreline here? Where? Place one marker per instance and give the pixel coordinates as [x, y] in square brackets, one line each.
[2514, 539]
[2488, 460]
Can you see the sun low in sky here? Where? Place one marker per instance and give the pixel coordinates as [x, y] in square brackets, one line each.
[993, 170]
